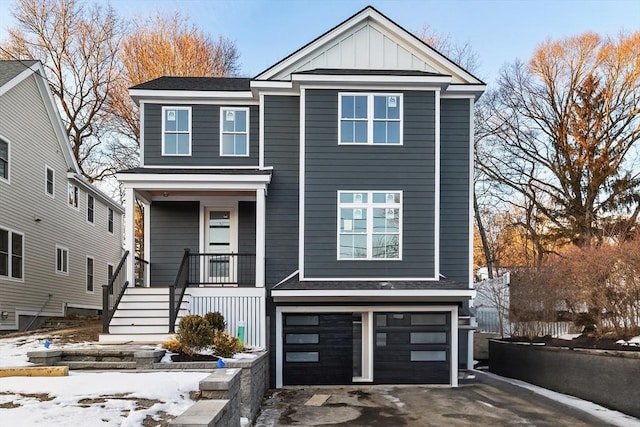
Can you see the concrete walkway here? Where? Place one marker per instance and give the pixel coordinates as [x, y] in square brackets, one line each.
[486, 401]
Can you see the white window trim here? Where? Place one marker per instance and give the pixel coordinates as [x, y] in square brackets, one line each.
[48, 168]
[86, 275]
[111, 218]
[168, 107]
[77, 190]
[8, 178]
[10, 254]
[370, 119]
[66, 273]
[222, 111]
[94, 210]
[370, 206]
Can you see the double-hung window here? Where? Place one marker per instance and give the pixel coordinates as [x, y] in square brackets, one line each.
[373, 118]
[49, 181]
[90, 209]
[234, 131]
[369, 225]
[176, 131]
[89, 274]
[73, 196]
[62, 260]
[110, 220]
[4, 160]
[11, 254]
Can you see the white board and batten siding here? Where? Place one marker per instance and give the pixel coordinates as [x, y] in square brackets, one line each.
[236, 305]
[46, 221]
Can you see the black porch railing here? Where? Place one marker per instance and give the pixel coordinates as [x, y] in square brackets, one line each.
[222, 269]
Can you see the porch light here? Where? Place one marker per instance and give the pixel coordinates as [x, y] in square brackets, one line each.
[165, 194]
[4, 315]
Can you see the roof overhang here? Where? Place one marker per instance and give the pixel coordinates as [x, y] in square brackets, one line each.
[194, 181]
[373, 295]
[190, 95]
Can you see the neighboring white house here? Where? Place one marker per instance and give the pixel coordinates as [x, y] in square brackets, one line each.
[60, 237]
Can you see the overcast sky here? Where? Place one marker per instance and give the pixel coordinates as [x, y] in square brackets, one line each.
[500, 31]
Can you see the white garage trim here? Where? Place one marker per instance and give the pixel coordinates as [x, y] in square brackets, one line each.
[368, 310]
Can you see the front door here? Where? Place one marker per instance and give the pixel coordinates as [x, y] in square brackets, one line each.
[219, 247]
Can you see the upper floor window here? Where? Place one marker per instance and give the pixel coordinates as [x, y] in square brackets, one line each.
[90, 208]
[49, 181]
[373, 118]
[369, 225]
[110, 220]
[234, 131]
[11, 254]
[176, 131]
[73, 196]
[4, 160]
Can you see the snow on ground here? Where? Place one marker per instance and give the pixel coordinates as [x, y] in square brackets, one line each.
[87, 398]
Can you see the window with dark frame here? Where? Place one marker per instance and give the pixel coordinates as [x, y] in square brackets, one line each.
[90, 208]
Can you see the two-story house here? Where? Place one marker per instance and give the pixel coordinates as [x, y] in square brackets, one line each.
[60, 237]
[325, 203]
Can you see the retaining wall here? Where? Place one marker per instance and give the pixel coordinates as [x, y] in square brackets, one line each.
[608, 378]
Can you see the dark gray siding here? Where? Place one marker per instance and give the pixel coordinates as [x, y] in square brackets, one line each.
[330, 167]
[454, 185]
[173, 227]
[247, 227]
[282, 142]
[205, 138]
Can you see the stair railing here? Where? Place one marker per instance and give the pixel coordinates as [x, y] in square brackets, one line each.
[112, 293]
[176, 291]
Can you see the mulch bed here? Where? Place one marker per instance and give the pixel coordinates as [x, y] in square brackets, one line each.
[193, 358]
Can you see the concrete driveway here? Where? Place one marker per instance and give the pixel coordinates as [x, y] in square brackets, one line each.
[478, 403]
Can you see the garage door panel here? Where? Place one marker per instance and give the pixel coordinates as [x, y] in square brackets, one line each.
[317, 349]
[412, 348]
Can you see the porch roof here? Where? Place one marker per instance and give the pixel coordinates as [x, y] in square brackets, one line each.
[195, 178]
[295, 289]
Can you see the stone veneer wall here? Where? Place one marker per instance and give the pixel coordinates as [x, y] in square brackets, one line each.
[608, 378]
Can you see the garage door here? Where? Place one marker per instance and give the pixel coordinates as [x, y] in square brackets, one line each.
[412, 348]
[317, 349]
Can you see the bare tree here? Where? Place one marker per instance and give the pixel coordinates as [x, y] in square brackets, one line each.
[78, 47]
[165, 46]
[561, 135]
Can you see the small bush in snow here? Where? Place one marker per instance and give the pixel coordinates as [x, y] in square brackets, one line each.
[173, 345]
[215, 321]
[194, 333]
[224, 345]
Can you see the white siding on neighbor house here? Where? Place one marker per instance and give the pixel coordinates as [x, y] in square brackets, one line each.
[45, 221]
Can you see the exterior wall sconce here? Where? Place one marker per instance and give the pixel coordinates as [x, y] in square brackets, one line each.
[4, 315]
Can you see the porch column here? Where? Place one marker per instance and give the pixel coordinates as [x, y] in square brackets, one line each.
[129, 232]
[260, 236]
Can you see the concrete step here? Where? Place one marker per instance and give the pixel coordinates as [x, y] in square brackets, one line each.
[147, 313]
[139, 320]
[126, 304]
[134, 338]
[97, 365]
[147, 291]
[140, 329]
[97, 355]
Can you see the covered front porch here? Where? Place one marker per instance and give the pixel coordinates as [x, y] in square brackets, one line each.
[200, 234]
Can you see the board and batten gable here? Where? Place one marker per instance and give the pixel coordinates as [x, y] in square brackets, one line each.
[46, 221]
[205, 137]
[330, 167]
[282, 151]
[455, 182]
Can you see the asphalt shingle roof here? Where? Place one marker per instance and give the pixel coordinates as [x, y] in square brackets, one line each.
[10, 69]
[197, 83]
[294, 284]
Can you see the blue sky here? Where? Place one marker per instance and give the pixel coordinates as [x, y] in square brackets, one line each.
[499, 30]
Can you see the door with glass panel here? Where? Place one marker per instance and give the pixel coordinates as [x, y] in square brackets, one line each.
[219, 247]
